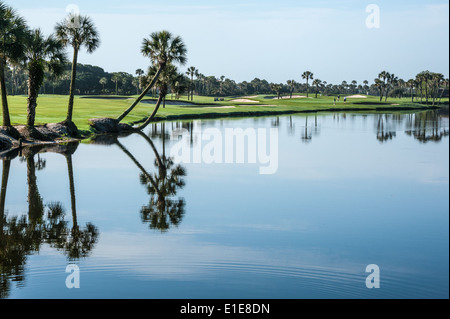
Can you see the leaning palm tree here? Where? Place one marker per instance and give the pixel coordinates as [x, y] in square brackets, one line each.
[307, 75]
[162, 48]
[167, 78]
[13, 31]
[77, 31]
[42, 54]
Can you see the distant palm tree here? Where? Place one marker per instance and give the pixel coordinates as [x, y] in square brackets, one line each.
[139, 73]
[437, 79]
[384, 76]
[317, 84]
[42, 54]
[426, 77]
[103, 81]
[307, 75]
[162, 48]
[116, 78]
[13, 31]
[191, 71]
[379, 84]
[291, 84]
[411, 84]
[77, 31]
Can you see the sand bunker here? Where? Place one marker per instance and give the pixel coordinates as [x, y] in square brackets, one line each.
[244, 101]
[357, 97]
[286, 97]
[295, 97]
[221, 107]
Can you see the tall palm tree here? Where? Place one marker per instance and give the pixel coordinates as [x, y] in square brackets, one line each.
[42, 54]
[13, 31]
[162, 48]
[77, 31]
[307, 75]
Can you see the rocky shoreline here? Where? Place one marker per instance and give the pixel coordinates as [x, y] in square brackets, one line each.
[18, 137]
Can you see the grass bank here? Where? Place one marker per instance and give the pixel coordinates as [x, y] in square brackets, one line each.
[53, 108]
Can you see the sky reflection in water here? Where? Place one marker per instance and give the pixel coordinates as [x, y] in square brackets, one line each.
[350, 190]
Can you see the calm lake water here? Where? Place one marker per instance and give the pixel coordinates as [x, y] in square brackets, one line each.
[346, 191]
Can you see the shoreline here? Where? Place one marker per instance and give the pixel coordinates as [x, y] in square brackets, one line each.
[18, 144]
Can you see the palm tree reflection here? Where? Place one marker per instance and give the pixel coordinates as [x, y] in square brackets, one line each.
[163, 211]
[427, 126]
[385, 131]
[23, 236]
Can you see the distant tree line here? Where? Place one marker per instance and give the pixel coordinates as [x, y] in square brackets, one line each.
[90, 80]
[426, 87]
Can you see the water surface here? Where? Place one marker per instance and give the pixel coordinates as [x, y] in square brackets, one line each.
[351, 190]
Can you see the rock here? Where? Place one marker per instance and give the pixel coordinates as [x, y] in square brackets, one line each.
[107, 125]
[6, 142]
[56, 130]
[33, 134]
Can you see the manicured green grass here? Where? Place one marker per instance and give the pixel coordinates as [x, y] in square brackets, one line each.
[53, 108]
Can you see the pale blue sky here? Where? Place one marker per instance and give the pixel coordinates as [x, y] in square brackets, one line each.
[274, 40]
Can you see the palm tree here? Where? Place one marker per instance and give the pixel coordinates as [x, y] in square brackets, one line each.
[411, 84]
[366, 86]
[77, 31]
[391, 82]
[162, 48]
[13, 31]
[277, 89]
[116, 78]
[103, 81]
[167, 78]
[384, 76]
[139, 73]
[427, 77]
[317, 83]
[437, 79]
[291, 84]
[191, 71]
[42, 54]
[307, 75]
[379, 84]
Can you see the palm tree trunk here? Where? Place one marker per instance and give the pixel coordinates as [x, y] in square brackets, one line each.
[72, 85]
[142, 169]
[5, 177]
[72, 191]
[150, 86]
[32, 100]
[151, 117]
[5, 109]
[35, 203]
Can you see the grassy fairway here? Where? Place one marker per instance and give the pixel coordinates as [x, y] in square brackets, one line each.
[53, 108]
